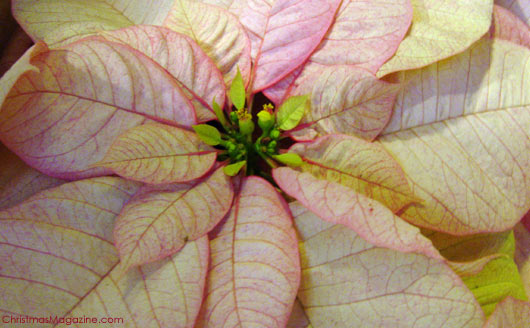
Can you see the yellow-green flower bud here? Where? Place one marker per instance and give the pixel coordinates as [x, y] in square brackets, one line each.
[265, 120]
[246, 126]
[275, 134]
[233, 117]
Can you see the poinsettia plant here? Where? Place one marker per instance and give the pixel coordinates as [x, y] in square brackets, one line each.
[282, 163]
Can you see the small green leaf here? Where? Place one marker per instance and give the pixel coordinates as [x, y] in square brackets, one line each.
[219, 113]
[499, 278]
[291, 112]
[237, 91]
[233, 169]
[210, 135]
[290, 159]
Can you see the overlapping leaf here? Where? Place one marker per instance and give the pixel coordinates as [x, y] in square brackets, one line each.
[195, 72]
[521, 8]
[159, 153]
[19, 181]
[61, 21]
[440, 29]
[159, 220]
[460, 132]
[511, 313]
[346, 99]
[338, 204]
[508, 27]
[485, 263]
[62, 262]
[63, 118]
[347, 282]
[23, 65]
[363, 166]
[491, 279]
[217, 32]
[255, 271]
[295, 27]
[364, 34]
[280, 27]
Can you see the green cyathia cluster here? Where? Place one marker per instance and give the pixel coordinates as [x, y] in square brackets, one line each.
[239, 148]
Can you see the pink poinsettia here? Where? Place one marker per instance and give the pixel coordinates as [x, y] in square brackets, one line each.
[175, 212]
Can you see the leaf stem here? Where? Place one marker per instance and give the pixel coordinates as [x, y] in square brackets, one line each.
[268, 160]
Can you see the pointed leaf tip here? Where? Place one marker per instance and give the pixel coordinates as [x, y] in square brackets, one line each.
[159, 220]
[233, 169]
[237, 91]
[220, 114]
[290, 159]
[209, 134]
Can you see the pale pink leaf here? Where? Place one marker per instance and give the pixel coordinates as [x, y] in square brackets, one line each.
[460, 130]
[364, 34]
[521, 8]
[355, 163]
[88, 205]
[279, 91]
[62, 262]
[255, 271]
[347, 282]
[158, 153]
[508, 27]
[217, 32]
[348, 100]
[159, 220]
[18, 181]
[58, 22]
[292, 30]
[64, 117]
[338, 204]
[511, 312]
[440, 29]
[194, 71]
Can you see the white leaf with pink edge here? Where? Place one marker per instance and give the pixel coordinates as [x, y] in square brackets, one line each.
[254, 270]
[338, 204]
[348, 282]
[62, 119]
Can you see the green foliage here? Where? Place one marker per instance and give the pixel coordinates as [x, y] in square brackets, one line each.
[233, 169]
[290, 159]
[219, 114]
[237, 91]
[291, 111]
[209, 134]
